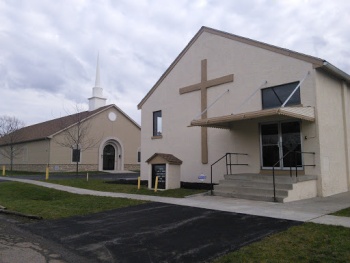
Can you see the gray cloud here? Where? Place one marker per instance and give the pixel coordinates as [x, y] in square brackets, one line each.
[50, 47]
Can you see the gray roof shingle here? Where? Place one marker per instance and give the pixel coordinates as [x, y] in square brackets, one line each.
[46, 129]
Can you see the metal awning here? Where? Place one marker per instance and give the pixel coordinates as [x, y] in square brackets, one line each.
[224, 122]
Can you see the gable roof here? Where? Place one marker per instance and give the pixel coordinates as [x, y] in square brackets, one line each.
[316, 62]
[47, 129]
[169, 158]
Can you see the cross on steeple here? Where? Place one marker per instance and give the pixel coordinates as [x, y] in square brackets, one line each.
[203, 86]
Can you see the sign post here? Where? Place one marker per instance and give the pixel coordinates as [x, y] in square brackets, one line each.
[47, 173]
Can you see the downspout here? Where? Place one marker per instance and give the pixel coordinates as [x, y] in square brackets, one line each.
[346, 133]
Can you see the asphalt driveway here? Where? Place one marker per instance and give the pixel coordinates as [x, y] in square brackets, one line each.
[157, 232]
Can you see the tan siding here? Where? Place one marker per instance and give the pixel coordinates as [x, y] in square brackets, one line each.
[101, 127]
[331, 135]
[123, 129]
[251, 66]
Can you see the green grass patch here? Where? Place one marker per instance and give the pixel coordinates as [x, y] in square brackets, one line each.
[101, 185]
[305, 243]
[344, 212]
[51, 204]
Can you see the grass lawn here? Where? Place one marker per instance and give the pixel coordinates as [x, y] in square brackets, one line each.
[100, 185]
[52, 204]
[344, 212]
[305, 243]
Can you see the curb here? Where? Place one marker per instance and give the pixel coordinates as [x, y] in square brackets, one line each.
[8, 212]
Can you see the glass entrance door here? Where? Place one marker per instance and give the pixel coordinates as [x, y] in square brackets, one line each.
[290, 140]
[277, 139]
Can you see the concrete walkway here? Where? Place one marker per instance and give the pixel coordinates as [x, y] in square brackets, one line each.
[314, 210]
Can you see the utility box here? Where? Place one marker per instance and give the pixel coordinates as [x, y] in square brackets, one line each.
[167, 168]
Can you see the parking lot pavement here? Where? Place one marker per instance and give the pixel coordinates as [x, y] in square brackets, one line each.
[18, 245]
[157, 232]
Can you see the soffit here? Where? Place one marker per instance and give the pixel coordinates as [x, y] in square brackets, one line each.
[225, 122]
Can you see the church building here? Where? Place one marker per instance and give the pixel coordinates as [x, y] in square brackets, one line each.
[104, 138]
[255, 120]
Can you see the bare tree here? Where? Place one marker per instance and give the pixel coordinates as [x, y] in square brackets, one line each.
[77, 136]
[10, 137]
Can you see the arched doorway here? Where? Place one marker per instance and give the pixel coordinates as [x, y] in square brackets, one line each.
[108, 157]
[111, 154]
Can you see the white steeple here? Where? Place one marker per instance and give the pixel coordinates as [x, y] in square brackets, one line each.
[97, 100]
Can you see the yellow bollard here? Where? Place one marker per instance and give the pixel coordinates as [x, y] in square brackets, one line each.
[156, 184]
[47, 174]
[138, 183]
[3, 170]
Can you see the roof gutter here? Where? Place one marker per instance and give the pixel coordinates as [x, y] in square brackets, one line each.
[341, 74]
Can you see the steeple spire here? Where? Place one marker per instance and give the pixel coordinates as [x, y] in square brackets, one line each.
[97, 81]
[97, 100]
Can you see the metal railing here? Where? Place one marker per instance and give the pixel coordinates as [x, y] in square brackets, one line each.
[296, 166]
[229, 164]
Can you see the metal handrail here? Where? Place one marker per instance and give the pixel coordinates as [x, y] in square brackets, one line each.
[228, 164]
[290, 170]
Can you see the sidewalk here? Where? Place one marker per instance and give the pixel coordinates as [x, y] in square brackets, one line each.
[314, 210]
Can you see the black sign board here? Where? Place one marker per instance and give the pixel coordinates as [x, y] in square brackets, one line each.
[160, 171]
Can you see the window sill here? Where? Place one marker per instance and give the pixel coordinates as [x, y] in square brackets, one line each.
[157, 137]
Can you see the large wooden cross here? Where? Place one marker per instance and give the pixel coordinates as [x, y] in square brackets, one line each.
[202, 86]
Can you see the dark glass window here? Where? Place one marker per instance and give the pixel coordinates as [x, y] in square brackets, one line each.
[274, 97]
[139, 157]
[157, 123]
[76, 155]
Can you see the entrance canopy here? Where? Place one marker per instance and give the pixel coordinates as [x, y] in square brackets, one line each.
[224, 122]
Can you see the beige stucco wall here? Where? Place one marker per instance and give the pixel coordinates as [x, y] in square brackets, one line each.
[122, 131]
[30, 153]
[251, 66]
[173, 176]
[332, 133]
[302, 190]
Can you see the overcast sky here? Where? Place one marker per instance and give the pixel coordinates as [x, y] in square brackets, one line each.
[48, 48]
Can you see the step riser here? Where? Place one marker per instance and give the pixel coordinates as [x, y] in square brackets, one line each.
[250, 197]
[253, 191]
[261, 178]
[255, 187]
[254, 184]
[258, 186]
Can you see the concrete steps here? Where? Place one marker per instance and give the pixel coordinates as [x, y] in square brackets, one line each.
[257, 186]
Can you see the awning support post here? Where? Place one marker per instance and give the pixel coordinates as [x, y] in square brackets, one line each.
[211, 104]
[296, 88]
[247, 99]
